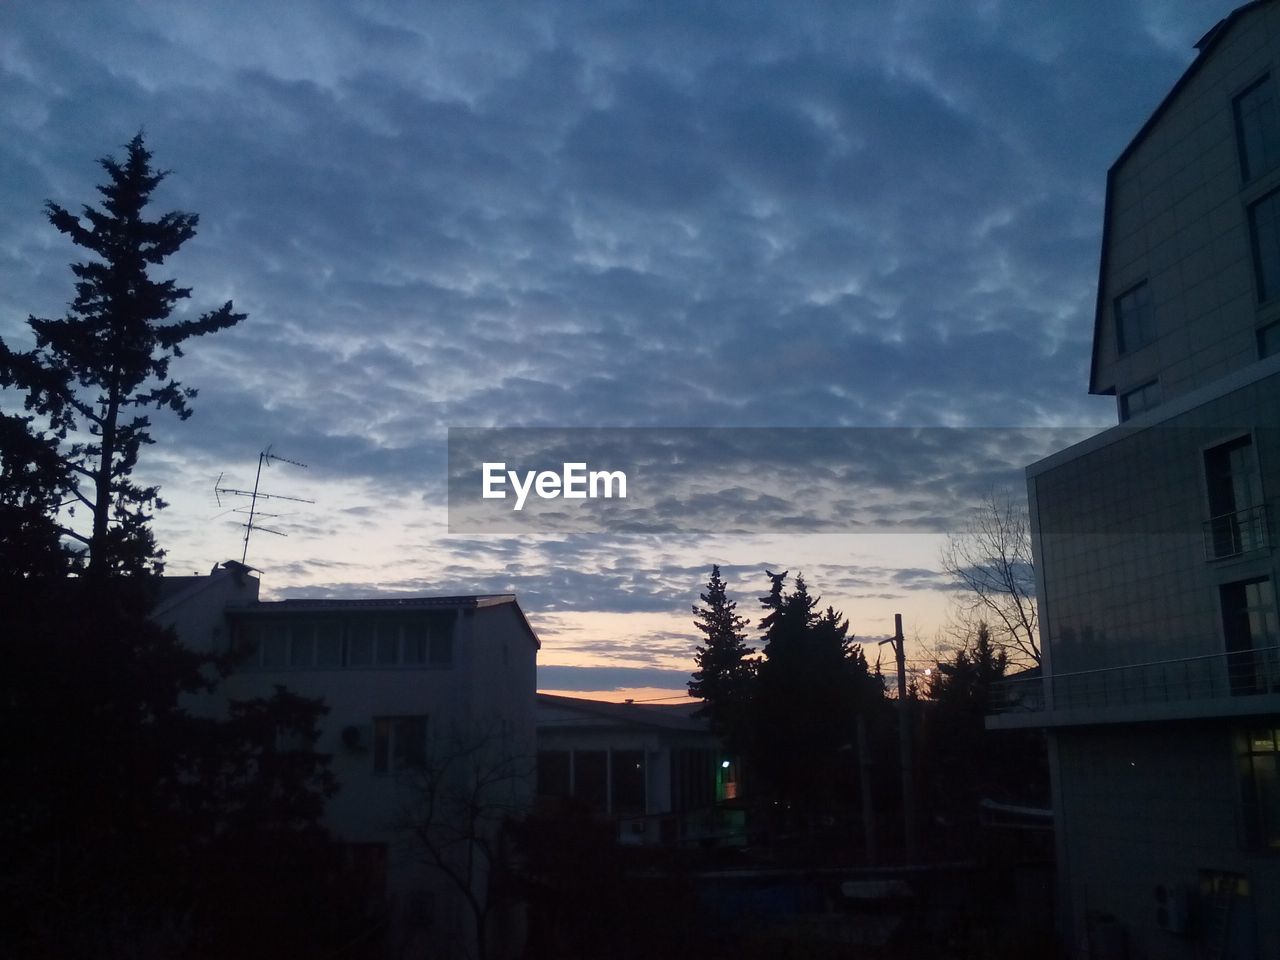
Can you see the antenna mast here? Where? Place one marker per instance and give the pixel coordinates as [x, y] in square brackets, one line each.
[254, 495]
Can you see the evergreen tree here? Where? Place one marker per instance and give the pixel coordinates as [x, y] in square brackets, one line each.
[813, 682]
[725, 667]
[92, 371]
[133, 826]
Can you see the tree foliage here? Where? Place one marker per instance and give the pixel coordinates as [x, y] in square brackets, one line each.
[964, 762]
[813, 682]
[991, 563]
[793, 711]
[94, 370]
[135, 825]
[726, 670]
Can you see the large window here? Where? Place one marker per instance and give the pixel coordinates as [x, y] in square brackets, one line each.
[1237, 517]
[281, 643]
[1257, 129]
[399, 743]
[1260, 786]
[1135, 319]
[1264, 228]
[1251, 633]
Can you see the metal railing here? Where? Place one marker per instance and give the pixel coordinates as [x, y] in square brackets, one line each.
[1230, 674]
[1240, 531]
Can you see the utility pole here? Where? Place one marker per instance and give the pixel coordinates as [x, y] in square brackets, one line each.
[904, 743]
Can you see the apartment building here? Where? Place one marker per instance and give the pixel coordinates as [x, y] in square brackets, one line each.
[411, 685]
[1155, 540]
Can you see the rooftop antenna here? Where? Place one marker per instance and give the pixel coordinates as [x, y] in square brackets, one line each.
[265, 457]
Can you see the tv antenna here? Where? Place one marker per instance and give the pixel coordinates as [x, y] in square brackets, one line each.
[254, 495]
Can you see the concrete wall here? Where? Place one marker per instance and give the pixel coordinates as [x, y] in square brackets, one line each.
[1159, 804]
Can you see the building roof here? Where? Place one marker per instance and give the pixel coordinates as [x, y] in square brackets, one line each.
[674, 717]
[291, 607]
[1206, 46]
[176, 590]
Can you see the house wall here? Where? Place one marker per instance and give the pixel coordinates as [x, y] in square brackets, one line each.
[487, 691]
[1178, 219]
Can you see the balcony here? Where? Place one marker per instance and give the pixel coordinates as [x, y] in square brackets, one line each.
[1236, 533]
[1221, 684]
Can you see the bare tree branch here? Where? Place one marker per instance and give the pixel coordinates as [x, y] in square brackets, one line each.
[991, 562]
[457, 803]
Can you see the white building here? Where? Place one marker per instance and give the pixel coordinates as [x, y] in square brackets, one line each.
[407, 682]
[657, 771]
[1154, 540]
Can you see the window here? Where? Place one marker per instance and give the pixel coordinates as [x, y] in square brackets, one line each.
[1257, 129]
[1260, 786]
[1237, 517]
[288, 643]
[329, 644]
[553, 774]
[1250, 632]
[1269, 340]
[1139, 399]
[590, 783]
[627, 787]
[1264, 229]
[399, 743]
[1135, 319]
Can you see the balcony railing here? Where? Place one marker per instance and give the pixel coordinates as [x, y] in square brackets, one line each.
[1235, 674]
[1232, 534]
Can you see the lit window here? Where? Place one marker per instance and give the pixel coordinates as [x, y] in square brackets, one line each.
[399, 743]
[1135, 319]
[1264, 228]
[1139, 400]
[1257, 129]
[1260, 787]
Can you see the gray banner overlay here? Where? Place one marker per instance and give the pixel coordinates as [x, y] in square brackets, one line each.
[735, 481]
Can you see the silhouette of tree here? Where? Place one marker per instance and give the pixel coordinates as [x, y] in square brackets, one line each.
[992, 563]
[726, 670]
[459, 804]
[32, 478]
[967, 680]
[108, 358]
[812, 683]
[133, 825]
[966, 763]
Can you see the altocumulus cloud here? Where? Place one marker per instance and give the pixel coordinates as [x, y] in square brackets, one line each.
[608, 214]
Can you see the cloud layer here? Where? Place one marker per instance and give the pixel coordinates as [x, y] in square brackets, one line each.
[617, 214]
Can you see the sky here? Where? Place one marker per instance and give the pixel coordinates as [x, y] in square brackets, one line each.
[719, 219]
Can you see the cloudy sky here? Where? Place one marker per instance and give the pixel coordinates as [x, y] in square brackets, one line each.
[593, 215]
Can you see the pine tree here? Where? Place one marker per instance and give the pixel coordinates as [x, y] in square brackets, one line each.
[813, 681]
[132, 824]
[94, 370]
[725, 667]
